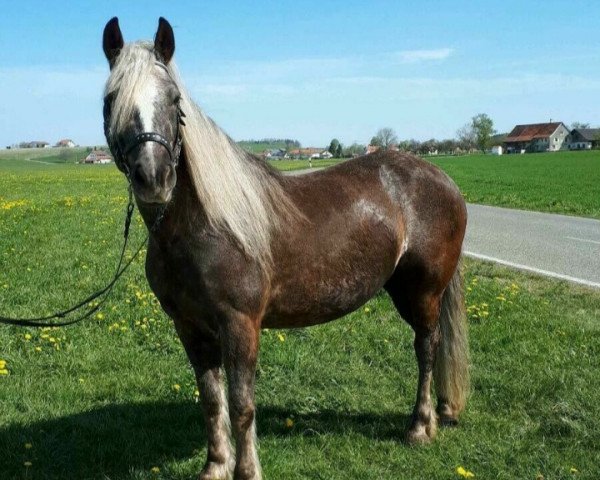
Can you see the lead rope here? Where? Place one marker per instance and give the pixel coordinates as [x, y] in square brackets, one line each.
[106, 291]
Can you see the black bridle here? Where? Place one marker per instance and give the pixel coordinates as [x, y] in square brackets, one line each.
[120, 154]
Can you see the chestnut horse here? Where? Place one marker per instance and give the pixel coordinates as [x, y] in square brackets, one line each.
[235, 246]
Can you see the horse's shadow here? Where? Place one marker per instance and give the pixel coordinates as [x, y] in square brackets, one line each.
[114, 440]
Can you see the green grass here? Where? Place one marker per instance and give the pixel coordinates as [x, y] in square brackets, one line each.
[289, 165]
[561, 182]
[259, 147]
[27, 156]
[99, 400]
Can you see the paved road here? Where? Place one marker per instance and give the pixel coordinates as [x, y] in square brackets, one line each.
[557, 246]
[554, 245]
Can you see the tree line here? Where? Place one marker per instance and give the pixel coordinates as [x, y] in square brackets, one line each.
[477, 134]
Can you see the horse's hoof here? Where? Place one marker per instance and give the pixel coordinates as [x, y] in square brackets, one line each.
[448, 421]
[446, 416]
[418, 436]
[215, 471]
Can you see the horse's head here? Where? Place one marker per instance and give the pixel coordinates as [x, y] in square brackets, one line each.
[142, 116]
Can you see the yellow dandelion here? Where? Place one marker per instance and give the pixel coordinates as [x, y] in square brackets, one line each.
[27, 464]
[281, 337]
[367, 309]
[573, 470]
[28, 446]
[176, 387]
[155, 470]
[38, 349]
[464, 473]
[100, 316]
[2, 363]
[289, 423]
[27, 336]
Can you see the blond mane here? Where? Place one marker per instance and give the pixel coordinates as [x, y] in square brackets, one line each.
[240, 195]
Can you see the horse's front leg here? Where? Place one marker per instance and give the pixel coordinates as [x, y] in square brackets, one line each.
[204, 352]
[240, 338]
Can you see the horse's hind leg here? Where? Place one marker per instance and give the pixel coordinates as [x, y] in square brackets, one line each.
[421, 311]
[427, 336]
[204, 352]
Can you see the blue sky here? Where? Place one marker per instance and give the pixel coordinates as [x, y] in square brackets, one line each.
[312, 70]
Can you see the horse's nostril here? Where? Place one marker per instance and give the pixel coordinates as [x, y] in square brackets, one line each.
[138, 177]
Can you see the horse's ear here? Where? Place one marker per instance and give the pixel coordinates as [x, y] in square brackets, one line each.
[164, 41]
[112, 40]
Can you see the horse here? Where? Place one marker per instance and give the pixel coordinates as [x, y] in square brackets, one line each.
[235, 246]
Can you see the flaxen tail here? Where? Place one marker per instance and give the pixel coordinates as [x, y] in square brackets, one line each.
[451, 369]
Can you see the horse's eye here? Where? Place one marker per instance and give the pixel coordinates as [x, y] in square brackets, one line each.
[107, 108]
[108, 104]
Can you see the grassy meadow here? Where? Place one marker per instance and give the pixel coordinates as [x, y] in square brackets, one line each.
[114, 398]
[560, 182]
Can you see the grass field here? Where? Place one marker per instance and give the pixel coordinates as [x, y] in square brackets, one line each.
[561, 182]
[26, 156]
[115, 398]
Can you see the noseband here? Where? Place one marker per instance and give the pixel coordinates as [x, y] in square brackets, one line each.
[174, 150]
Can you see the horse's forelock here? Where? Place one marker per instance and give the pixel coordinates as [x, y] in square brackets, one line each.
[134, 68]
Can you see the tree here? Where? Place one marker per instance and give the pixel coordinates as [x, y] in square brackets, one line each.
[483, 128]
[354, 150]
[466, 137]
[578, 125]
[333, 146]
[385, 138]
[375, 141]
[339, 151]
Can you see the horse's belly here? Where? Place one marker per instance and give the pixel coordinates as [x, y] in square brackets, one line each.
[329, 287]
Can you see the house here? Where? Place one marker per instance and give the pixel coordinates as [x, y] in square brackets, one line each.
[98, 156]
[308, 152]
[34, 144]
[65, 143]
[584, 139]
[278, 153]
[536, 137]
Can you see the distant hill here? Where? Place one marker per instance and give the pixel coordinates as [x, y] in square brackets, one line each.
[259, 146]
